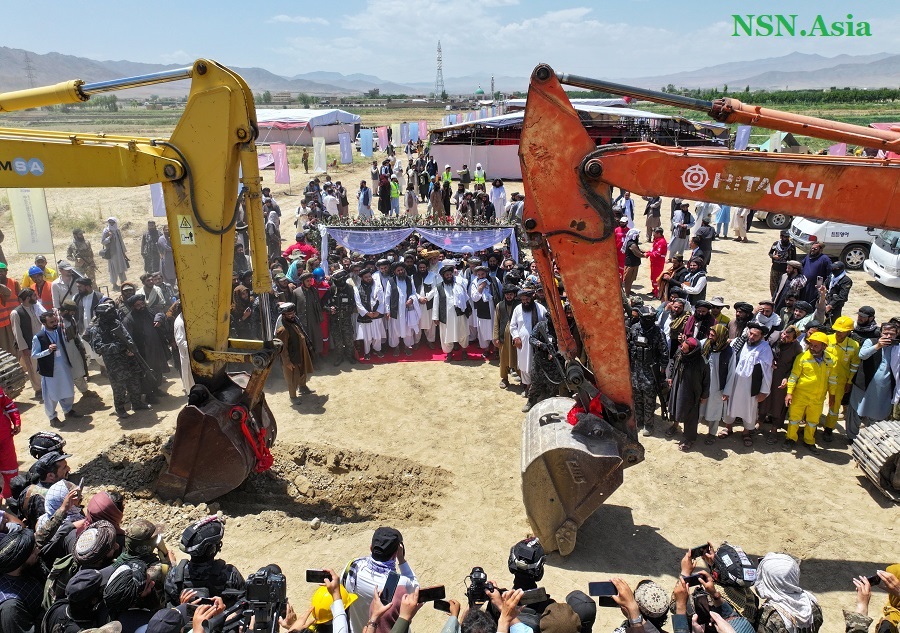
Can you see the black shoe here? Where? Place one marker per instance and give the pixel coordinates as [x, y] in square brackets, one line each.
[448, 358]
[55, 421]
[788, 445]
[151, 399]
[812, 448]
[396, 352]
[72, 413]
[140, 406]
[407, 351]
[122, 413]
[379, 354]
[306, 390]
[828, 435]
[367, 357]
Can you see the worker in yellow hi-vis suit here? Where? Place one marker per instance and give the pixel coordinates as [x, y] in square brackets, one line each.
[812, 378]
[845, 353]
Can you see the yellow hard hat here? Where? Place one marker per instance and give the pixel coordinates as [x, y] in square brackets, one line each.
[843, 324]
[818, 337]
[321, 603]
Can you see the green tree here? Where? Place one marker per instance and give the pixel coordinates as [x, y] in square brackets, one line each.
[267, 97]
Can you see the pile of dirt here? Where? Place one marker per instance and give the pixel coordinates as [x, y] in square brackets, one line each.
[318, 484]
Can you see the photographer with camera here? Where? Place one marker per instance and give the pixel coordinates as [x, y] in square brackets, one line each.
[714, 600]
[203, 573]
[364, 576]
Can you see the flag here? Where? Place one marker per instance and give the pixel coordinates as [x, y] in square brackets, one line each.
[365, 142]
[382, 137]
[404, 133]
[31, 220]
[423, 130]
[346, 153]
[414, 132]
[282, 171]
[742, 137]
[395, 134]
[320, 159]
[157, 201]
[838, 149]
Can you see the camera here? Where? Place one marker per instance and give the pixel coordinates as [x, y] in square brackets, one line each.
[267, 597]
[478, 587]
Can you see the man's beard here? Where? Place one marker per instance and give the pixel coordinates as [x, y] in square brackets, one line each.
[528, 307]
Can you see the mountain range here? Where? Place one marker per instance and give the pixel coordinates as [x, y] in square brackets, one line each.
[794, 71]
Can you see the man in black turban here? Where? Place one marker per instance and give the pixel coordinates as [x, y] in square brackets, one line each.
[18, 556]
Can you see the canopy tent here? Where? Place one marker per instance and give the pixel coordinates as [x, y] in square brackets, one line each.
[298, 126]
[374, 240]
[494, 141]
[519, 104]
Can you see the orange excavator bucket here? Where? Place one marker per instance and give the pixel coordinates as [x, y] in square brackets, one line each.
[217, 444]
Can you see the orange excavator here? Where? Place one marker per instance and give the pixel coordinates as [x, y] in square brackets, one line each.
[569, 220]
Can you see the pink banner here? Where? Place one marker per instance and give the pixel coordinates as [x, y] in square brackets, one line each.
[423, 130]
[838, 149]
[382, 137]
[282, 171]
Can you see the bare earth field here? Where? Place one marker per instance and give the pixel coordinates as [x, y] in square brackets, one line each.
[433, 449]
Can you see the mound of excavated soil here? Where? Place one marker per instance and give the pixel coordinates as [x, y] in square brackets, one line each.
[335, 486]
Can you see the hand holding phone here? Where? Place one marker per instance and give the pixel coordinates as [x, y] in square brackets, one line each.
[442, 605]
[603, 591]
[533, 596]
[390, 586]
[693, 580]
[430, 594]
[874, 580]
[317, 576]
[700, 550]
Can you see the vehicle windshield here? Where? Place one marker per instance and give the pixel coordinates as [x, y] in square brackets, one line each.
[888, 240]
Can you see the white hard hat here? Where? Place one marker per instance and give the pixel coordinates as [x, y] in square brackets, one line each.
[478, 166]
[446, 166]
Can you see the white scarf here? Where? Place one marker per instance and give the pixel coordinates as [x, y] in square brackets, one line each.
[835, 279]
[778, 584]
[760, 353]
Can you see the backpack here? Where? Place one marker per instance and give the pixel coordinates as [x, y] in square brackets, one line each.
[60, 574]
[732, 567]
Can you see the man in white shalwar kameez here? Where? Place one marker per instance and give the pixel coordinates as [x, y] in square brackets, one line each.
[481, 291]
[370, 306]
[523, 319]
[749, 378]
[187, 376]
[399, 301]
[451, 301]
[425, 283]
[48, 349]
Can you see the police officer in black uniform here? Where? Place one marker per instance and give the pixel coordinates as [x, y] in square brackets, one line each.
[648, 351]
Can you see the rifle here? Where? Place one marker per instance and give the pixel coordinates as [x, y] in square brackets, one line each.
[122, 335]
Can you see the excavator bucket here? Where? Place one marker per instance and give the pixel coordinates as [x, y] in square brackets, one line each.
[566, 476]
[211, 454]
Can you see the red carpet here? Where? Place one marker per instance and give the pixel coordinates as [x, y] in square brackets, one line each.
[424, 354]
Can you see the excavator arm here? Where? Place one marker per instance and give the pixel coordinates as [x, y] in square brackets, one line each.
[208, 169]
[569, 221]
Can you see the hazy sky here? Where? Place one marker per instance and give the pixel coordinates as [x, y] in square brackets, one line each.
[396, 39]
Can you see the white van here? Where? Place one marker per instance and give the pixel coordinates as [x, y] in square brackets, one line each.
[884, 259]
[848, 243]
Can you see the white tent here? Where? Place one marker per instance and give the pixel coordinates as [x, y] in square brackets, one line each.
[298, 126]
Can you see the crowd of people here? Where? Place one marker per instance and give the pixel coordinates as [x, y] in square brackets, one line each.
[68, 566]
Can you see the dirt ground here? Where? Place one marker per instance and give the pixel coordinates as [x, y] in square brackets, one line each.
[433, 449]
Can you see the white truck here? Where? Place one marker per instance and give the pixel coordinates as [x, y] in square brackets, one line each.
[884, 259]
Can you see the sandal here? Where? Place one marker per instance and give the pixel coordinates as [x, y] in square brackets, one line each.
[772, 438]
[684, 447]
[710, 440]
[726, 432]
[672, 430]
[748, 439]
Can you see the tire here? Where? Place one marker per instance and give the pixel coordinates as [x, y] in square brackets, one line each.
[778, 221]
[854, 255]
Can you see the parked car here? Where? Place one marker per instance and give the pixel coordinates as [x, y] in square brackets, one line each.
[845, 242]
[884, 259]
[774, 220]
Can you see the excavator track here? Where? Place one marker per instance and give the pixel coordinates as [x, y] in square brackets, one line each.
[877, 452]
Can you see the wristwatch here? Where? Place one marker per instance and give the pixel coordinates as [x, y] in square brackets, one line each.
[637, 621]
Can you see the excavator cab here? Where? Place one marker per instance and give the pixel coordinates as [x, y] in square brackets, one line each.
[210, 179]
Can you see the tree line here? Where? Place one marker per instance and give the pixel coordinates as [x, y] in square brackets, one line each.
[771, 97]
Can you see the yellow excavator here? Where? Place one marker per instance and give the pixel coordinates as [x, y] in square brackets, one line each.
[208, 170]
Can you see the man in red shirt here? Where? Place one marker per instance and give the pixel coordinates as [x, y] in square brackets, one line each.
[10, 425]
[301, 245]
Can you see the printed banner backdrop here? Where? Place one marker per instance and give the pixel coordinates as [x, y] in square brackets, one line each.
[404, 133]
[346, 151]
[282, 171]
[742, 137]
[365, 142]
[838, 149]
[320, 159]
[374, 241]
[31, 221]
[382, 137]
[423, 130]
[414, 132]
[395, 134]
[157, 201]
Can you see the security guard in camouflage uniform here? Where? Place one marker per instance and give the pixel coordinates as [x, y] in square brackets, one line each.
[110, 339]
[340, 302]
[546, 364]
[648, 351]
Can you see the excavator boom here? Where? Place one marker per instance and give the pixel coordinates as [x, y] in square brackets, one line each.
[569, 220]
[208, 170]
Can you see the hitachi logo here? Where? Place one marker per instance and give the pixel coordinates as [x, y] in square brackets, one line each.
[783, 188]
